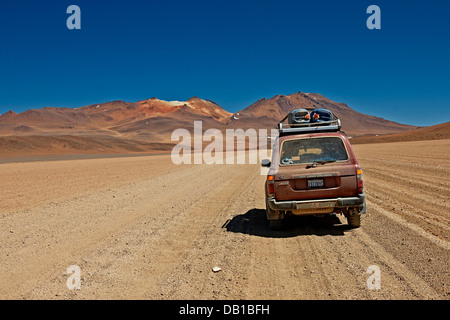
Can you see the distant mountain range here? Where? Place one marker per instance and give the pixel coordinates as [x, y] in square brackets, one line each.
[155, 117]
[147, 125]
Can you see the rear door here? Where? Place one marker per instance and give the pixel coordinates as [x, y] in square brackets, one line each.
[315, 168]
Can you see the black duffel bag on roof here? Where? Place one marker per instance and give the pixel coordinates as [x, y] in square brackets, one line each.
[321, 115]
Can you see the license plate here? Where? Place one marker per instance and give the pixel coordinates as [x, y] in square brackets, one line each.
[315, 183]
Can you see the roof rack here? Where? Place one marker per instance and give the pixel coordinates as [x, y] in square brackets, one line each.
[309, 127]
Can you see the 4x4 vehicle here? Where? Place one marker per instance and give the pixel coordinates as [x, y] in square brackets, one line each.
[313, 171]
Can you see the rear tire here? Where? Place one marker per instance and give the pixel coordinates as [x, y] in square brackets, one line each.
[354, 218]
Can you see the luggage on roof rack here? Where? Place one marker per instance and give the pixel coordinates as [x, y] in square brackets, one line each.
[298, 116]
[320, 120]
[321, 115]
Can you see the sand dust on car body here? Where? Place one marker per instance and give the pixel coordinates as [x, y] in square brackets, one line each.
[144, 228]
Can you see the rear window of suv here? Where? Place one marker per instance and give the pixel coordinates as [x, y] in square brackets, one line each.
[309, 150]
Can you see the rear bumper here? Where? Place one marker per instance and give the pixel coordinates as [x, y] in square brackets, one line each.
[358, 202]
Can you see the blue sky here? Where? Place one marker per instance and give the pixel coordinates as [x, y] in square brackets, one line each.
[231, 52]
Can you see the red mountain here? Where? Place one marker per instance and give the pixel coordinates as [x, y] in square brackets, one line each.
[148, 123]
[111, 118]
[268, 112]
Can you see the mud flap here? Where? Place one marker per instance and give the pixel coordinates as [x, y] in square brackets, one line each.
[273, 214]
[358, 202]
[363, 210]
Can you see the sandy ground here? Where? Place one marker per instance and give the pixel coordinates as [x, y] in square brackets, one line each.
[144, 228]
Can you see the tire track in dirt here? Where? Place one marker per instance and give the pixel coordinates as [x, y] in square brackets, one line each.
[432, 195]
[158, 236]
[27, 185]
[408, 203]
[423, 256]
[64, 232]
[210, 245]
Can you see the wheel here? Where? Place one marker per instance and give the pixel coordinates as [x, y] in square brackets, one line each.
[276, 224]
[354, 218]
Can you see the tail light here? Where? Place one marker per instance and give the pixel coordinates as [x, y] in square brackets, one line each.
[270, 185]
[359, 179]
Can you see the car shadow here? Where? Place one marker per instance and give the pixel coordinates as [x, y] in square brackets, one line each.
[254, 222]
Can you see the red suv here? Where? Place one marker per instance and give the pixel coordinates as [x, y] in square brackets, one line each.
[313, 171]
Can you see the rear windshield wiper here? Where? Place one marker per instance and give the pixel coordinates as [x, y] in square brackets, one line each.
[315, 162]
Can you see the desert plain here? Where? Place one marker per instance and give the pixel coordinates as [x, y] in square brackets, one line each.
[141, 227]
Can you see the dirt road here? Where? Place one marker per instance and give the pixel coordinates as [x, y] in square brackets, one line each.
[144, 228]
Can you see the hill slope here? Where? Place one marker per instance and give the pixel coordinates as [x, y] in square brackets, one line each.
[268, 112]
[436, 132]
[146, 125]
